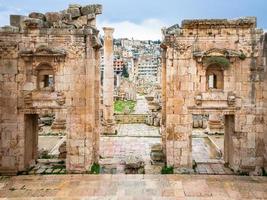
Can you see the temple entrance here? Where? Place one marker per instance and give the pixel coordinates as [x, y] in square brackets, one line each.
[31, 139]
[45, 149]
[211, 143]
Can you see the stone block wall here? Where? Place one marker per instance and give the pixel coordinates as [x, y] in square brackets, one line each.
[67, 47]
[234, 48]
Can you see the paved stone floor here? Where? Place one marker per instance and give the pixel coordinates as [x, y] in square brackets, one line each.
[131, 187]
[204, 151]
[114, 151]
[50, 143]
[137, 130]
[141, 105]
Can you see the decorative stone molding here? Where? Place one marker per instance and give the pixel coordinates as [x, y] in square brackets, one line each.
[43, 51]
[198, 99]
[231, 99]
[28, 99]
[229, 54]
[181, 47]
[61, 98]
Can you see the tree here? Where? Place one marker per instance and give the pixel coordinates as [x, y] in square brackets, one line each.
[125, 72]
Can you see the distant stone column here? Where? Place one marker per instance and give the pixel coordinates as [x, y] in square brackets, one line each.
[108, 83]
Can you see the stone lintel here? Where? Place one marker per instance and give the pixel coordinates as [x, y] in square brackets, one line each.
[246, 22]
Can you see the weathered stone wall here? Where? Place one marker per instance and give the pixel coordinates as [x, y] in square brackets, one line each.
[232, 46]
[265, 98]
[35, 45]
[131, 119]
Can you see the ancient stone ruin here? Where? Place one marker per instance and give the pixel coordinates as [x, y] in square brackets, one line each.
[50, 64]
[216, 67]
[214, 76]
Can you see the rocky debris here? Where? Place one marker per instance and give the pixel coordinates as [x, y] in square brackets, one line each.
[183, 170]
[96, 9]
[74, 12]
[62, 151]
[37, 15]
[257, 172]
[33, 23]
[134, 165]
[156, 154]
[53, 16]
[75, 17]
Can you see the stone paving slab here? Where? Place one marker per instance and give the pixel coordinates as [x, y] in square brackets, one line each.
[184, 187]
[137, 130]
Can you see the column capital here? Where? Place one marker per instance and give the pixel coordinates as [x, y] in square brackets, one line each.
[108, 30]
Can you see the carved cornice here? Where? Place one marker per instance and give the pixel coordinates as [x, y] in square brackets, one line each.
[43, 51]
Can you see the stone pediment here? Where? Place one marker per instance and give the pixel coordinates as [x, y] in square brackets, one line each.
[43, 51]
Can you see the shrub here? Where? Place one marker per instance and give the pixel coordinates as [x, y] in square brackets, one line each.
[167, 170]
[214, 60]
[95, 169]
[242, 56]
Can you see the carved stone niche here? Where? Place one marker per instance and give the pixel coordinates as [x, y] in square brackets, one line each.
[231, 99]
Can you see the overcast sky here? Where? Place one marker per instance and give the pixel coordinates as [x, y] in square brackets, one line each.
[143, 19]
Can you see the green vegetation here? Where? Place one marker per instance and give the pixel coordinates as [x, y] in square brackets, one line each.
[95, 169]
[123, 106]
[125, 72]
[214, 60]
[242, 56]
[167, 170]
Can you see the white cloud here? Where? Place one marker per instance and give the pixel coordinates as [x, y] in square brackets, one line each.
[149, 29]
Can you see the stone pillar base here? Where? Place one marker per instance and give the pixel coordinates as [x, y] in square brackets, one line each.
[109, 129]
[59, 125]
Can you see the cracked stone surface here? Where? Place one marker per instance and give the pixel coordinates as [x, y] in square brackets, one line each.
[173, 187]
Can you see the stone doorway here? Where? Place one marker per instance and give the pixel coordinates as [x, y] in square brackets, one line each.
[211, 144]
[43, 149]
[31, 140]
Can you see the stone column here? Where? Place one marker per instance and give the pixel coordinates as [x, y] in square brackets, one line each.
[163, 98]
[108, 83]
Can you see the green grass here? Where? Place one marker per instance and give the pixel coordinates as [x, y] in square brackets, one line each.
[120, 106]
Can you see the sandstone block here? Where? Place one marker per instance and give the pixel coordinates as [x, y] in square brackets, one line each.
[10, 29]
[33, 23]
[91, 9]
[75, 12]
[8, 67]
[37, 15]
[16, 20]
[53, 16]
